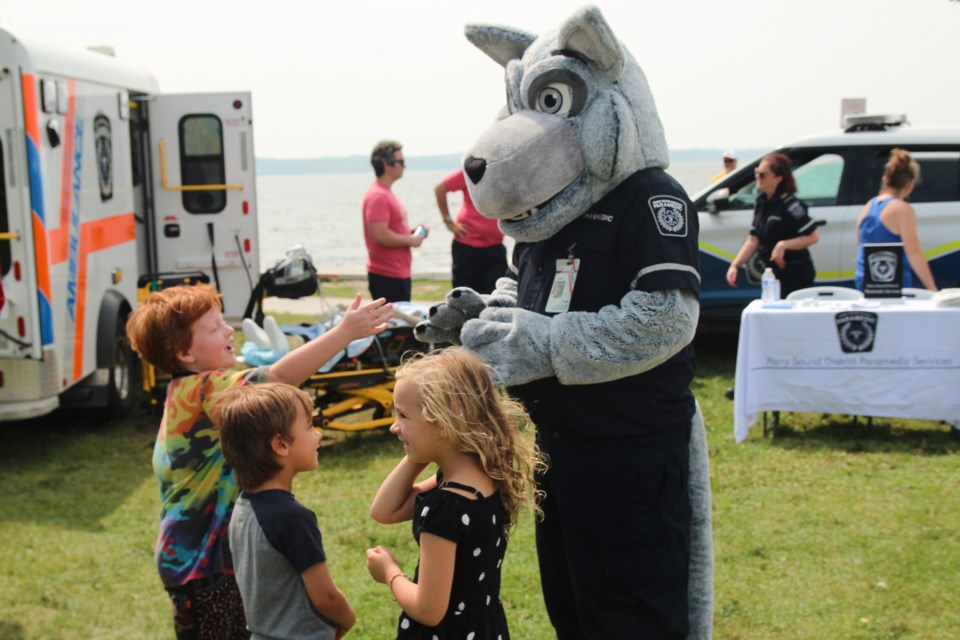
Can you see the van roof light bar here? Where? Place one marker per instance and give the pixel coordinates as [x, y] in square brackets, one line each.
[882, 122]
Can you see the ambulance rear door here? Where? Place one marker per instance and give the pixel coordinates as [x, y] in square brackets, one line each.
[20, 331]
[204, 191]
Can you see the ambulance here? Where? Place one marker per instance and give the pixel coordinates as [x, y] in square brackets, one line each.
[108, 187]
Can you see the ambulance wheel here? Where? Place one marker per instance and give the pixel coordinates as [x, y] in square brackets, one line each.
[114, 354]
[124, 378]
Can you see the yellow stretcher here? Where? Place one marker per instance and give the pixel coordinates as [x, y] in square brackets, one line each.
[358, 396]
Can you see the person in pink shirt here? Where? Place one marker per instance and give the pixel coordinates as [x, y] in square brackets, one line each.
[385, 228]
[479, 257]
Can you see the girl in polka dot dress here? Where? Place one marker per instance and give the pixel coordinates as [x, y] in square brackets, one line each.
[449, 412]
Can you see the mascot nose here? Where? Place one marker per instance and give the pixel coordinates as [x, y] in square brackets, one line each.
[475, 168]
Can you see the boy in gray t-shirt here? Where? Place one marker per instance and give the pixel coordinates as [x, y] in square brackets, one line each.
[267, 436]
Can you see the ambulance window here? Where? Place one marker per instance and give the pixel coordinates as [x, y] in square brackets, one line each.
[4, 223]
[201, 162]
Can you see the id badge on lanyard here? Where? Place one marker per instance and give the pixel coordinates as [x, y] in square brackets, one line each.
[563, 282]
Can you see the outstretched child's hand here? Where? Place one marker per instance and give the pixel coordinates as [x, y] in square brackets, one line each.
[381, 564]
[360, 322]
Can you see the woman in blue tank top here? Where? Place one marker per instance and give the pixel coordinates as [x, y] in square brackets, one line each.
[889, 218]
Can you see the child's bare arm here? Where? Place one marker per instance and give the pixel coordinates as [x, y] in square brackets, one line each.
[327, 598]
[394, 500]
[358, 322]
[425, 601]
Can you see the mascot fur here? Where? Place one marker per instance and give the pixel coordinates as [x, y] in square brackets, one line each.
[579, 121]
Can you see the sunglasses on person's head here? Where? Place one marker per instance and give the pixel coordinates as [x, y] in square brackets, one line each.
[760, 174]
[728, 161]
[402, 163]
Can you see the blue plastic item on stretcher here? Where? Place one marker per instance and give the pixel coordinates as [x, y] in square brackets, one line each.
[257, 356]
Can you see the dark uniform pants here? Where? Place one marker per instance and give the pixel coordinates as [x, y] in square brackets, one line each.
[476, 267]
[393, 289]
[614, 544]
[795, 277]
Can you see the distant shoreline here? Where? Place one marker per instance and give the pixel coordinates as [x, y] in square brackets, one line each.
[447, 162]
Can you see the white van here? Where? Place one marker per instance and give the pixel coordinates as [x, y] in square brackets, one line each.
[836, 175]
[105, 183]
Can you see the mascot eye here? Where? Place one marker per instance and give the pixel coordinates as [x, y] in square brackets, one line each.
[555, 99]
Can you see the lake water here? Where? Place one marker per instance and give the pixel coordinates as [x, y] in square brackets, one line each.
[321, 211]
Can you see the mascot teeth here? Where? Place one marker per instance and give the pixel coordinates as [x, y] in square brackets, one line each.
[526, 214]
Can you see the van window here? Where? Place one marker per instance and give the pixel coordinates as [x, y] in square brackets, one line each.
[818, 181]
[202, 162]
[5, 258]
[939, 175]
[817, 177]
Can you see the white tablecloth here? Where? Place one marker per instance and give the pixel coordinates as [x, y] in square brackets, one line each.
[865, 358]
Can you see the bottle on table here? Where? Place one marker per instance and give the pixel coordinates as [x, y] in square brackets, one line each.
[769, 287]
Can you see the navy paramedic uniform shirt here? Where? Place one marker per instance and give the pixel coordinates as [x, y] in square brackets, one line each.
[642, 236]
[781, 217]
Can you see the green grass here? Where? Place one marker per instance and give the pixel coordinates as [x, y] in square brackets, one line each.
[825, 531]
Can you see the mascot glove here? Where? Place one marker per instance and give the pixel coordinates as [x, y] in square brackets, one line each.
[504, 293]
[514, 342]
[446, 319]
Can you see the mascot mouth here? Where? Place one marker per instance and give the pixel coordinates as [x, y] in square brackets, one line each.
[529, 212]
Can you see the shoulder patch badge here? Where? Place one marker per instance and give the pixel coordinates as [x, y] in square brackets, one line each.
[670, 215]
[796, 210]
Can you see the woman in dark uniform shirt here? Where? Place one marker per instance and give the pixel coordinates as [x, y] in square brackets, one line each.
[781, 230]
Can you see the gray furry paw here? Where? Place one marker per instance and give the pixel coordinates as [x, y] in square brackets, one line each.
[446, 319]
[504, 295]
[515, 342]
[426, 332]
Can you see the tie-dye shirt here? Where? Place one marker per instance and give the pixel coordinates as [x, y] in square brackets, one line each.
[197, 486]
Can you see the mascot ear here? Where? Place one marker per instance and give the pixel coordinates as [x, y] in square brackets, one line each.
[503, 44]
[587, 33]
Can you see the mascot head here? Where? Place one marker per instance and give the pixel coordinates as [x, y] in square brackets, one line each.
[579, 119]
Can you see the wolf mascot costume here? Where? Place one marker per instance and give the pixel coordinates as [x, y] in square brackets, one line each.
[593, 333]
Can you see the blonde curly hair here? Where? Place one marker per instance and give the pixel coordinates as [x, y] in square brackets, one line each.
[458, 396]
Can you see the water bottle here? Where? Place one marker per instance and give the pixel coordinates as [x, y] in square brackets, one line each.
[768, 286]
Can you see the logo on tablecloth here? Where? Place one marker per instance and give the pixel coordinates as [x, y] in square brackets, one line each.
[856, 330]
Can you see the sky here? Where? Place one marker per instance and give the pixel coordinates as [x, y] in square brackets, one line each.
[331, 78]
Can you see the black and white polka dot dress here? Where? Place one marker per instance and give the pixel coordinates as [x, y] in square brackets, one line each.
[476, 525]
